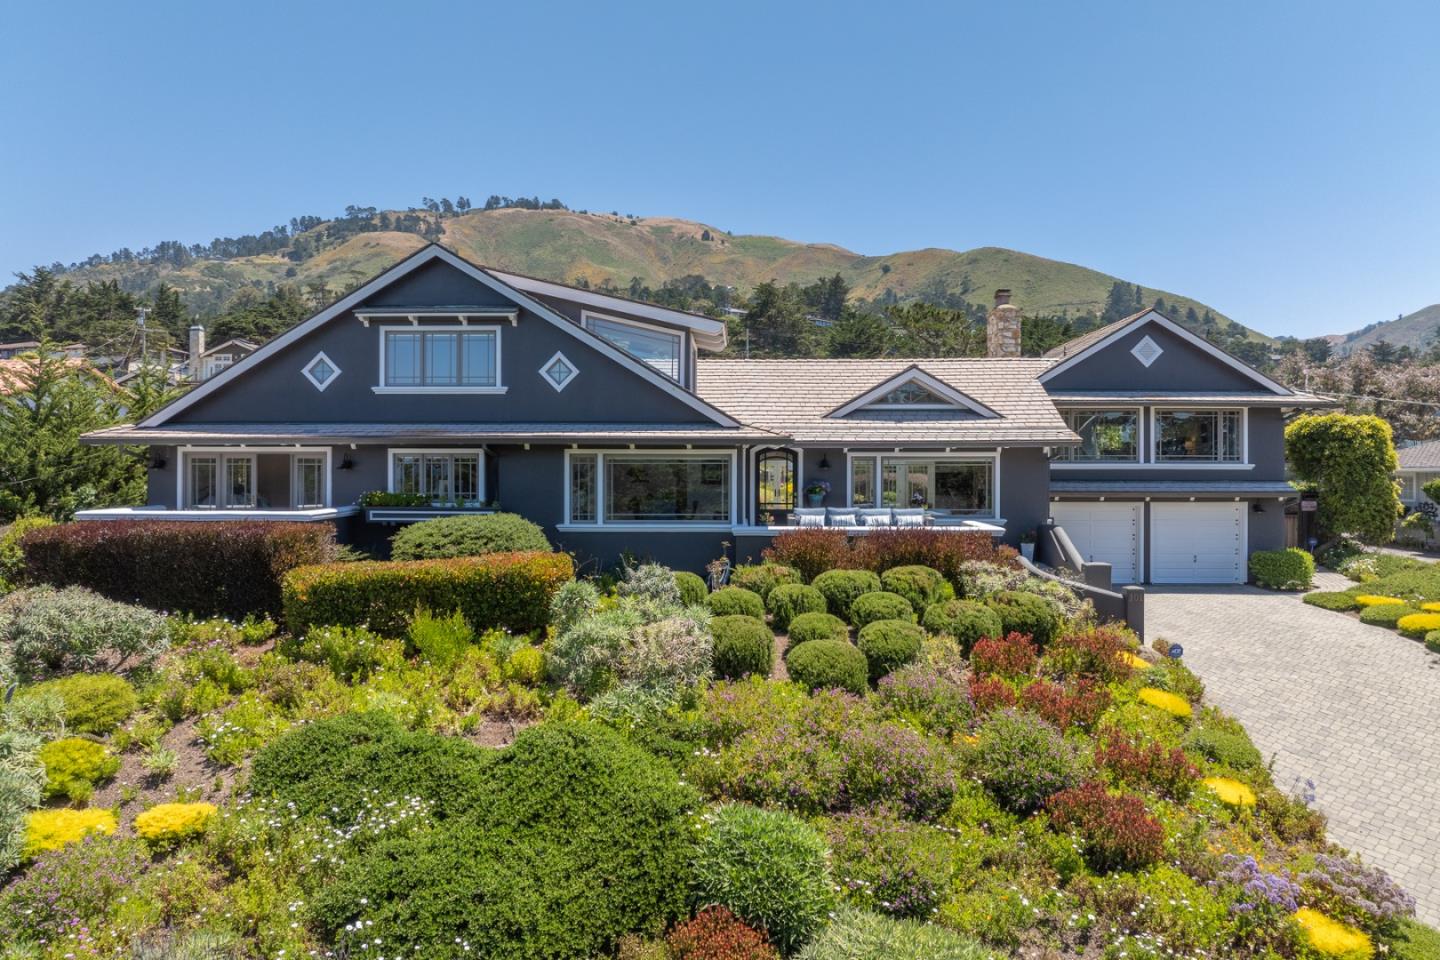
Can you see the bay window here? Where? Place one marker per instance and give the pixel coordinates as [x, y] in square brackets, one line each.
[455, 358]
[1199, 436]
[649, 488]
[444, 476]
[1106, 436]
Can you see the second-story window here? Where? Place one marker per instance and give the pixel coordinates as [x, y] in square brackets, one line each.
[1106, 436]
[657, 348]
[1199, 436]
[441, 358]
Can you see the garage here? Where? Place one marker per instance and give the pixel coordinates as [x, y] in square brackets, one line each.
[1104, 532]
[1197, 542]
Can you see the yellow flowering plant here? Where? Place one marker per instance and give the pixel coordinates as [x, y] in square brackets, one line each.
[1375, 600]
[1418, 624]
[1332, 938]
[1431, 607]
[1134, 660]
[53, 829]
[1230, 791]
[1173, 704]
[172, 822]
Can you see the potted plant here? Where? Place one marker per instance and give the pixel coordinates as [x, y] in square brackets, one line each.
[1027, 545]
[816, 491]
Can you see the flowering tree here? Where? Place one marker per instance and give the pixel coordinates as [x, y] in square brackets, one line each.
[1351, 461]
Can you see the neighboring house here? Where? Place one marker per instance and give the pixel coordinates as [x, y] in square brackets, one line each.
[462, 386]
[202, 363]
[70, 351]
[1419, 464]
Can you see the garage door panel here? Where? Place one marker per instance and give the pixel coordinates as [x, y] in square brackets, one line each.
[1104, 532]
[1197, 543]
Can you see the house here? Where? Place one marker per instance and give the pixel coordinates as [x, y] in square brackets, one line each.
[443, 386]
[16, 348]
[1419, 464]
[201, 363]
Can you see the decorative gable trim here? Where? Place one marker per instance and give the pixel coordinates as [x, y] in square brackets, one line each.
[1165, 323]
[913, 374]
[416, 260]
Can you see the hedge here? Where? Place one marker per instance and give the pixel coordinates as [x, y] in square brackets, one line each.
[1288, 569]
[511, 591]
[1331, 600]
[467, 535]
[1386, 614]
[222, 569]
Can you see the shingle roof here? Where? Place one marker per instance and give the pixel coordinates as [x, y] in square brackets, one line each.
[1071, 347]
[180, 433]
[1421, 456]
[792, 397]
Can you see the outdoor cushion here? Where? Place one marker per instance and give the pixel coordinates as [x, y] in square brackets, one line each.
[910, 517]
[809, 516]
[877, 518]
[841, 518]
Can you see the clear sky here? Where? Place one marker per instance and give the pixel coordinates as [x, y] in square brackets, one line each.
[1277, 160]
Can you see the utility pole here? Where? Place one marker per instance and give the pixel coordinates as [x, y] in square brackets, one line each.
[140, 314]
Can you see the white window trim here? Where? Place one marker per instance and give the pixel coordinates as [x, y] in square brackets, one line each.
[657, 526]
[752, 459]
[183, 469]
[295, 481]
[930, 382]
[499, 387]
[952, 456]
[392, 452]
[681, 335]
[574, 371]
[1242, 464]
[305, 370]
[1140, 441]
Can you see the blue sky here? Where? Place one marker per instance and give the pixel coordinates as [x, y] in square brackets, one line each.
[1276, 160]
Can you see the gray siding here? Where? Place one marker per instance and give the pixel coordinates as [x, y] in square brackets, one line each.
[1266, 449]
[1180, 367]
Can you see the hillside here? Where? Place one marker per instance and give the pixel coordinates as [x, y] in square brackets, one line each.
[1416, 330]
[567, 245]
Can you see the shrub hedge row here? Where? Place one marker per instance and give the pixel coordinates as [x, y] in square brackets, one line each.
[1288, 569]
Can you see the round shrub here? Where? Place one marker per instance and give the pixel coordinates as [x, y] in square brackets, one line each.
[1331, 600]
[93, 703]
[736, 602]
[889, 645]
[922, 586]
[62, 631]
[1418, 625]
[1432, 641]
[861, 935]
[1026, 613]
[880, 605]
[570, 838]
[74, 765]
[768, 867]
[1225, 744]
[1024, 761]
[713, 934]
[1288, 569]
[823, 664]
[965, 620]
[53, 829]
[652, 582]
[764, 577]
[743, 645]
[789, 600]
[817, 626]
[692, 588]
[167, 823]
[1385, 614]
[467, 536]
[841, 588]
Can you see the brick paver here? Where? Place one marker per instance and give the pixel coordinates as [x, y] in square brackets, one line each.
[1349, 706]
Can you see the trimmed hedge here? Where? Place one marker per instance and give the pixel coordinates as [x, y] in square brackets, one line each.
[1027, 613]
[817, 626]
[965, 620]
[880, 605]
[763, 577]
[743, 645]
[1386, 614]
[467, 536]
[823, 664]
[1417, 626]
[841, 588]
[95, 703]
[1288, 569]
[922, 586]
[889, 645]
[736, 602]
[221, 569]
[1332, 600]
[511, 591]
[789, 600]
[693, 590]
[1432, 641]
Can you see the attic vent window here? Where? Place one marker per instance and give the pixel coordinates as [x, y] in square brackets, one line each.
[1147, 351]
[321, 371]
[559, 371]
[911, 395]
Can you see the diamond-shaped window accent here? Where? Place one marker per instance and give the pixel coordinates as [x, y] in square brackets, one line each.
[559, 371]
[321, 371]
[1147, 351]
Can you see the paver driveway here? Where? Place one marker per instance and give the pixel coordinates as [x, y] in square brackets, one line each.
[1352, 707]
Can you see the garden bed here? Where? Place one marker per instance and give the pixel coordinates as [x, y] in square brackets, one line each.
[1389, 591]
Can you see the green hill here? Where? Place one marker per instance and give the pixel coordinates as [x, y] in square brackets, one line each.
[1417, 330]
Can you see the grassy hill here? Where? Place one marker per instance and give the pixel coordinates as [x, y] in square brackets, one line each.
[1417, 330]
[566, 245]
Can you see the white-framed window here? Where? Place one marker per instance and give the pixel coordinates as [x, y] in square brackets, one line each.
[212, 478]
[1106, 436]
[661, 349]
[1197, 436]
[911, 395]
[321, 371]
[959, 486]
[559, 371]
[219, 481]
[444, 475]
[685, 488]
[307, 481]
[440, 359]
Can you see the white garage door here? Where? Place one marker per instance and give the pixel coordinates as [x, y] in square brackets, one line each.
[1104, 533]
[1197, 542]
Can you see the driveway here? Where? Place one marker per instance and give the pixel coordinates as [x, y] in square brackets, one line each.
[1352, 707]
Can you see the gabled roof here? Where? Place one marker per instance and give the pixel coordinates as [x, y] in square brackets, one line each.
[795, 398]
[1075, 351]
[1420, 456]
[913, 374]
[426, 254]
[240, 342]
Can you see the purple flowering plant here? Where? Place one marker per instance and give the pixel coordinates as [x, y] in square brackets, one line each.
[1349, 890]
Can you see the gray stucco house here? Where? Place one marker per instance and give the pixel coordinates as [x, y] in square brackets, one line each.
[443, 386]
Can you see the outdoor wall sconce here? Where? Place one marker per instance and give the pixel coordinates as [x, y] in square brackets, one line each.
[346, 464]
[157, 464]
[1257, 507]
[824, 463]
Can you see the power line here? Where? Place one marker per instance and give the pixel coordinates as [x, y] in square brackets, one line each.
[1367, 396]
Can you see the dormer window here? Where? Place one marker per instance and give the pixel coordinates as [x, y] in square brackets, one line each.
[660, 349]
[912, 389]
[440, 360]
[912, 395]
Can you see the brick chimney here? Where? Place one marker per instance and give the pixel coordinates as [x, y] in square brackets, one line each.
[197, 349]
[1002, 328]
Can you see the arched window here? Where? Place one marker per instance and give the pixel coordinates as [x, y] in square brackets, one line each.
[775, 481]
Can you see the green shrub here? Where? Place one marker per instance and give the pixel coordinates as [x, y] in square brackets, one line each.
[440, 640]
[634, 642]
[1413, 940]
[736, 602]
[1386, 614]
[507, 590]
[817, 626]
[22, 785]
[94, 703]
[568, 839]
[1432, 641]
[651, 582]
[889, 645]
[351, 653]
[823, 664]
[573, 602]
[467, 536]
[1288, 569]
[965, 620]
[693, 590]
[74, 765]
[922, 586]
[789, 600]
[743, 645]
[763, 577]
[62, 631]
[12, 558]
[926, 698]
[880, 605]
[894, 865]
[524, 665]
[768, 867]
[1331, 600]
[1225, 742]
[840, 588]
[1024, 761]
[860, 935]
[1026, 613]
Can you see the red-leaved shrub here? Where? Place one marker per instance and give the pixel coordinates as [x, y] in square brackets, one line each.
[1095, 652]
[1117, 832]
[990, 693]
[1077, 705]
[717, 934]
[811, 551]
[1146, 763]
[223, 568]
[1010, 656]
